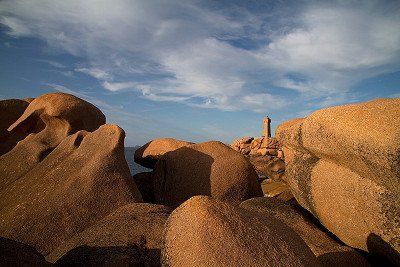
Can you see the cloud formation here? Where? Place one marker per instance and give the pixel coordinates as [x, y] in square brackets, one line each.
[228, 58]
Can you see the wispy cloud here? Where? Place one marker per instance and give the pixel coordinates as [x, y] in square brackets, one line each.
[228, 58]
[96, 73]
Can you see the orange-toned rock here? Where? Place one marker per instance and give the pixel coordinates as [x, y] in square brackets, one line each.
[81, 181]
[353, 147]
[270, 142]
[131, 235]
[328, 251]
[47, 121]
[209, 168]
[150, 153]
[207, 232]
[273, 168]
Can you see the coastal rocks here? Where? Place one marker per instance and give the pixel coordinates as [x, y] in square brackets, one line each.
[353, 147]
[264, 146]
[82, 180]
[207, 232]
[273, 168]
[150, 153]
[210, 168]
[328, 251]
[47, 121]
[131, 235]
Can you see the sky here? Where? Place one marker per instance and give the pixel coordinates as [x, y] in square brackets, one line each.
[201, 70]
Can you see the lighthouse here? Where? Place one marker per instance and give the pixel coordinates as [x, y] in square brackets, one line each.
[266, 132]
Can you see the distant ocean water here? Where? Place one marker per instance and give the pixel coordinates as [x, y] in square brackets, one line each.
[134, 167]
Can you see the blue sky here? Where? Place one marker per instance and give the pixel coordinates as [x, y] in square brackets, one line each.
[201, 70]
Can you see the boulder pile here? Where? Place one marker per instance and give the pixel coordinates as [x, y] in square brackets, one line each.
[67, 196]
[264, 146]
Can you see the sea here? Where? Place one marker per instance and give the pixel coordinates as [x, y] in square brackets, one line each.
[133, 166]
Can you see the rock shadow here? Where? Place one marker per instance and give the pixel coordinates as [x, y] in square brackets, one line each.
[132, 255]
[14, 253]
[381, 253]
[180, 175]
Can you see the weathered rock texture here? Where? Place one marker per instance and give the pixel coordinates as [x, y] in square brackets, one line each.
[209, 168]
[343, 165]
[79, 182]
[132, 235]
[208, 232]
[47, 121]
[150, 153]
[329, 251]
[273, 168]
[60, 179]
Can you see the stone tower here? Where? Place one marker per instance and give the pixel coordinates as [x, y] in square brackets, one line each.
[266, 132]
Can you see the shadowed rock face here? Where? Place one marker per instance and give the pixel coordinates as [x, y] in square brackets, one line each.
[131, 234]
[209, 168]
[329, 250]
[208, 232]
[150, 153]
[13, 253]
[342, 164]
[10, 111]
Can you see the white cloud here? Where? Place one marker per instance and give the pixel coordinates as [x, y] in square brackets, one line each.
[96, 73]
[117, 86]
[183, 51]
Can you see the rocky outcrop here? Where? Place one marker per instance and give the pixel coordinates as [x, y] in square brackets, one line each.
[131, 235]
[59, 179]
[208, 232]
[264, 146]
[210, 168]
[150, 153]
[328, 250]
[47, 121]
[342, 164]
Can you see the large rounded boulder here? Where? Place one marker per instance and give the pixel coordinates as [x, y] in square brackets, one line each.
[208, 232]
[210, 168]
[151, 152]
[342, 164]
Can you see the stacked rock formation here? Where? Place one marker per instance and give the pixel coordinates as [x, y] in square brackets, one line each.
[266, 155]
[264, 146]
[342, 165]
